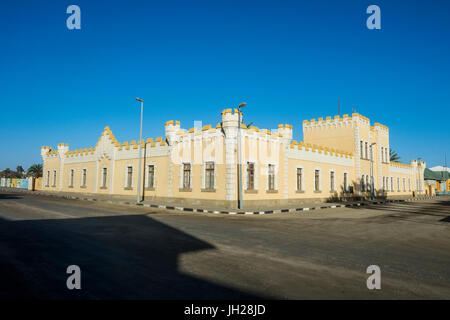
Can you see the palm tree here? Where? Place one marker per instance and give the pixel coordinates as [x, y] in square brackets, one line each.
[20, 170]
[35, 170]
[393, 156]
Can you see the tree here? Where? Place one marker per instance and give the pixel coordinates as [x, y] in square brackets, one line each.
[20, 170]
[35, 170]
[8, 173]
[393, 156]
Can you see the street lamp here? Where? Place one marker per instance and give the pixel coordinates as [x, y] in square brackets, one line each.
[372, 188]
[241, 105]
[140, 153]
[419, 186]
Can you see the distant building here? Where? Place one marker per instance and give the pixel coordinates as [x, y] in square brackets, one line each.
[438, 179]
[338, 158]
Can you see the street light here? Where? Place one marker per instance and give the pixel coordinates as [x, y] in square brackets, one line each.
[372, 188]
[140, 152]
[241, 105]
[419, 185]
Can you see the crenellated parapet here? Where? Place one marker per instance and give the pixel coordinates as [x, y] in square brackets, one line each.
[320, 149]
[330, 122]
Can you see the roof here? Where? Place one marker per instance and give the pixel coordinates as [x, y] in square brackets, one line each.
[436, 175]
[440, 168]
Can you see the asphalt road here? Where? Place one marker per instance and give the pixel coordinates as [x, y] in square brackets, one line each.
[140, 253]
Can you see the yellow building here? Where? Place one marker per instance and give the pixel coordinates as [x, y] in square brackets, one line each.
[336, 160]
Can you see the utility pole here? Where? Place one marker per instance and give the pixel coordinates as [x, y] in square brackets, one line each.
[241, 105]
[372, 188]
[140, 153]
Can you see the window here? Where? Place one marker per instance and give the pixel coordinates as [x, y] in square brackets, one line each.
[366, 151]
[104, 176]
[332, 180]
[299, 179]
[209, 175]
[72, 171]
[54, 178]
[398, 184]
[129, 181]
[250, 176]
[392, 184]
[362, 149]
[386, 159]
[404, 184]
[151, 176]
[186, 175]
[271, 177]
[345, 181]
[83, 178]
[48, 179]
[317, 180]
[409, 184]
[382, 159]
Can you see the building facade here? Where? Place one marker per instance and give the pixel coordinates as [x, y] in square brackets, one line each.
[340, 157]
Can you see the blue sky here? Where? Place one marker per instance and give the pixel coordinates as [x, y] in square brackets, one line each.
[289, 60]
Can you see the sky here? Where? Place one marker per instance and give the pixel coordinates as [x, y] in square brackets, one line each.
[189, 60]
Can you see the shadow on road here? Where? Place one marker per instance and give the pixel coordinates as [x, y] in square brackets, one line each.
[121, 257]
[435, 209]
[6, 196]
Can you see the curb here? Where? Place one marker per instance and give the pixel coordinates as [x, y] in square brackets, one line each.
[199, 210]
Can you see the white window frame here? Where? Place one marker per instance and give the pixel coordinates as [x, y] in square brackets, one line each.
[332, 187]
[54, 178]
[126, 182]
[147, 178]
[320, 179]
[104, 182]
[83, 181]
[48, 179]
[345, 184]
[302, 180]
[71, 177]
[275, 176]
[182, 175]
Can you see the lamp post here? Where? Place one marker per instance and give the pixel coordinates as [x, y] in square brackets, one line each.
[419, 187]
[140, 152]
[372, 187]
[241, 105]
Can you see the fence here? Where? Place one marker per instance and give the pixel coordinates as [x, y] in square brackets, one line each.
[15, 183]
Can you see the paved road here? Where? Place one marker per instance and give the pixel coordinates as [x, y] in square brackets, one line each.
[138, 253]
